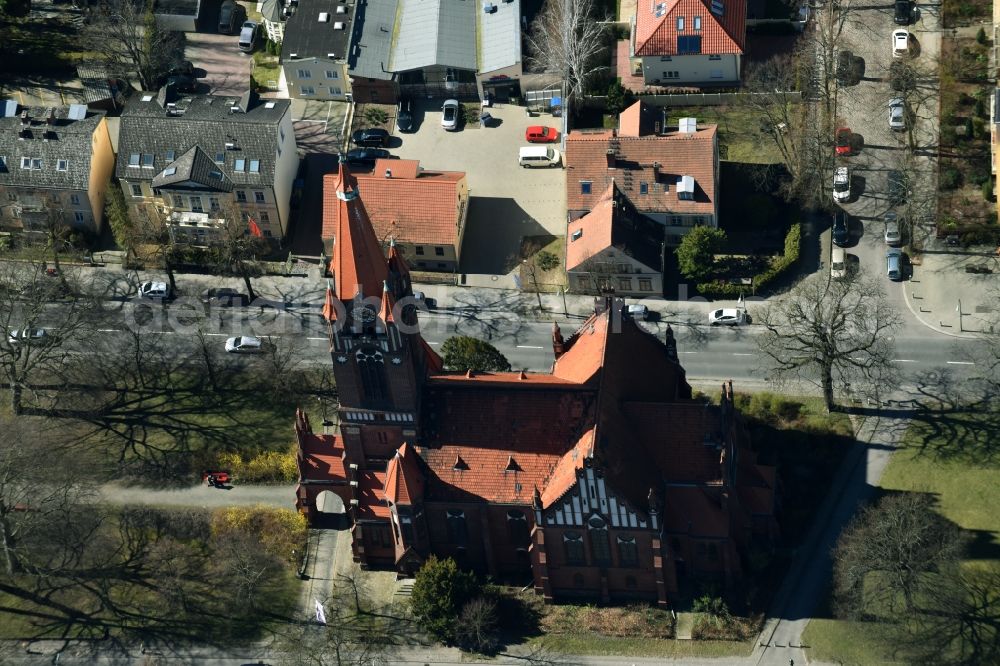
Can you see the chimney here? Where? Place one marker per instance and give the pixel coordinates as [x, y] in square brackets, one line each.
[671, 344]
[51, 119]
[558, 344]
[388, 173]
[656, 172]
[611, 158]
[24, 118]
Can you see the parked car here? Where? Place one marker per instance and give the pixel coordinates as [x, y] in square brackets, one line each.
[29, 335]
[420, 298]
[894, 264]
[892, 235]
[245, 344]
[228, 16]
[900, 43]
[449, 114]
[897, 187]
[638, 312]
[838, 263]
[897, 114]
[366, 155]
[904, 12]
[223, 297]
[540, 134]
[843, 141]
[372, 137]
[841, 184]
[841, 232]
[158, 290]
[728, 317]
[404, 115]
[248, 36]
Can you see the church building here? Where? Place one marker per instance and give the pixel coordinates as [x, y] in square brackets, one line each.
[602, 479]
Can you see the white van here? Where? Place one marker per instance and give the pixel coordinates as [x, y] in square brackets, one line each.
[838, 265]
[538, 156]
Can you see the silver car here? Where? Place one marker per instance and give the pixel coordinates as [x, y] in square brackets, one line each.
[449, 114]
[897, 114]
[892, 235]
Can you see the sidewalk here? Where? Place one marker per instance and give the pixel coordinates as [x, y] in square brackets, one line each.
[939, 286]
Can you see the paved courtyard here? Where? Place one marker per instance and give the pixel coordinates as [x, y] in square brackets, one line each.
[507, 202]
[226, 70]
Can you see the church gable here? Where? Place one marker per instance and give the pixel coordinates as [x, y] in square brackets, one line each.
[590, 495]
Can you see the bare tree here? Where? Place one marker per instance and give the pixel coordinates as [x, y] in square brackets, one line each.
[240, 244]
[567, 38]
[834, 334]
[128, 40]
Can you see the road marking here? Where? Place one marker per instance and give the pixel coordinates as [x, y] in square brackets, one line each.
[904, 360]
[686, 352]
[960, 363]
[529, 347]
[739, 354]
[108, 330]
[315, 338]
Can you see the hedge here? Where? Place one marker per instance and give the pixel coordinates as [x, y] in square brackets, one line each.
[793, 246]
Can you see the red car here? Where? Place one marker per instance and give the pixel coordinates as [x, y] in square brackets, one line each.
[844, 135]
[539, 134]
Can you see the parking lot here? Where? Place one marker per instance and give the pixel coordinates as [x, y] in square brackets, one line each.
[507, 202]
[864, 107]
[221, 68]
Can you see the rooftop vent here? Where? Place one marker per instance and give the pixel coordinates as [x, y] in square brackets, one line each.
[25, 120]
[688, 125]
[388, 173]
[293, 55]
[50, 116]
[576, 235]
[341, 9]
[230, 145]
[147, 98]
[77, 111]
[269, 105]
[339, 25]
[324, 17]
[331, 56]
[489, 7]
[235, 108]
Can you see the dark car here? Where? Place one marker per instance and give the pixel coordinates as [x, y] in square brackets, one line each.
[366, 155]
[904, 12]
[897, 187]
[223, 297]
[404, 116]
[849, 68]
[841, 234]
[374, 137]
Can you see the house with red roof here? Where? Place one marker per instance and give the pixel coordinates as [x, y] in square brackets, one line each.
[634, 192]
[422, 211]
[689, 42]
[602, 479]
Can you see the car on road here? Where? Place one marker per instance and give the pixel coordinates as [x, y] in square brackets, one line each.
[449, 114]
[372, 137]
[892, 235]
[244, 344]
[249, 34]
[900, 43]
[728, 317]
[154, 290]
[838, 263]
[223, 297]
[894, 264]
[541, 134]
[366, 155]
[903, 14]
[29, 335]
[843, 141]
[404, 115]
[841, 184]
[638, 312]
[841, 232]
[897, 187]
[897, 114]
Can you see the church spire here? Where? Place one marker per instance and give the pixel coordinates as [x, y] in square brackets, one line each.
[357, 263]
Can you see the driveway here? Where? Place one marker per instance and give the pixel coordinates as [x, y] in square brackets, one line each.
[507, 202]
[224, 70]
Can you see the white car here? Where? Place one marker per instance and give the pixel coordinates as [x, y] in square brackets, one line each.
[841, 184]
[728, 317]
[897, 114]
[838, 263]
[35, 335]
[245, 344]
[638, 312]
[153, 290]
[892, 235]
[449, 114]
[900, 43]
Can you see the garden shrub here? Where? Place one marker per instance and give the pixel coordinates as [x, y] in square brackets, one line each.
[266, 466]
[950, 179]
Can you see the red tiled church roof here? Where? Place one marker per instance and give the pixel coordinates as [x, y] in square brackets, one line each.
[371, 494]
[563, 477]
[404, 480]
[357, 262]
[657, 35]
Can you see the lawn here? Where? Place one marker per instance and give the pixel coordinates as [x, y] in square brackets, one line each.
[948, 461]
[265, 70]
[740, 138]
[594, 644]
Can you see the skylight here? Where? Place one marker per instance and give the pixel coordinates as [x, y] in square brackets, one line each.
[62, 165]
[133, 160]
[170, 171]
[254, 166]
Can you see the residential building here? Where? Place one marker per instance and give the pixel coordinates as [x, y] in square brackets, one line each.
[55, 164]
[423, 212]
[315, 49]
[689, 42]
[667, 174]
[603, 479]
[194, 158]
[436, 48]
[274, 14]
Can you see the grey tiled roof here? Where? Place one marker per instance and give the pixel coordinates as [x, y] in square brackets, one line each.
[195, 167]
[207, 122]
[373, 21]
[436, 32]
[307, 37]
[500, 36]
[66, 139]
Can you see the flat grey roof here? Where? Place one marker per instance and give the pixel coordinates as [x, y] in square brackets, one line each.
[308, 37]
[436, 32]
[373, 21]
[500, 36]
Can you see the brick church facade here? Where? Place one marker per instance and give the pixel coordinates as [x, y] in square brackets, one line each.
[602, 479]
